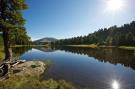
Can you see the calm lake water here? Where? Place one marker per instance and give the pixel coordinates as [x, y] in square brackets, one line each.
[100, 68]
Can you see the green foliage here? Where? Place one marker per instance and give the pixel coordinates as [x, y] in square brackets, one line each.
[1, 48]
[124, 35]
[27, 82]
[11, 16]
[12, 21]
[20, 37]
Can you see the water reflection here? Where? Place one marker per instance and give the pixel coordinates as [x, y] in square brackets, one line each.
[111, 55]
[18, 51]
[115, 85]
[46, 49]
[87, 68]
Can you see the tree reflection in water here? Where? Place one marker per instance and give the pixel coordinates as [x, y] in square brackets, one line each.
[111, 55]
[18, 51]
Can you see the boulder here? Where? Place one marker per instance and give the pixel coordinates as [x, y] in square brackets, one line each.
[31, 68]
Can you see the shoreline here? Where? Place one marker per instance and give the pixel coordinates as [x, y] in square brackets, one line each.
[28, 75]
[127, 47]
[102, 46]
[82, 46]
[29, 46]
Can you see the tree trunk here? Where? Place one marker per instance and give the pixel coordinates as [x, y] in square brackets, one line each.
[7, 45]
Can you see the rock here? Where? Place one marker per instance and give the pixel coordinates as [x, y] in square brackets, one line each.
[31, 68]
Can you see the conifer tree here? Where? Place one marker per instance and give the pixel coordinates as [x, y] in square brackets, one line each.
[11, 19]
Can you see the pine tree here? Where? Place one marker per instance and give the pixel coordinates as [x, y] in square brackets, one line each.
[11, 19]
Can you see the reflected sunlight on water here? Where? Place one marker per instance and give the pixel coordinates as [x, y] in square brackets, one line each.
[115, 84]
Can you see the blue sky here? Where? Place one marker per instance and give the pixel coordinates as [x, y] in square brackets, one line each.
[69, 18]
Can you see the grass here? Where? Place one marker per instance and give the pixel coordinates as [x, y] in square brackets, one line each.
[105, 46]
[27, 82]
[29, 45]
[84, 46]
[91, 46]
[128, 47]
[1, 53]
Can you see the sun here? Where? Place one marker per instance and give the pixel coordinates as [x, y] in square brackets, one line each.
[115, 5]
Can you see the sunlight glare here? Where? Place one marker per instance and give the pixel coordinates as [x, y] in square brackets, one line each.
[115, 5]
[115, 85]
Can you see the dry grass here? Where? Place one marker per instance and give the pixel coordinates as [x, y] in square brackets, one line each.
[84, 46]
[128, 47]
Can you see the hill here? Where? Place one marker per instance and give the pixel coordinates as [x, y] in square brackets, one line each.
[45, 40]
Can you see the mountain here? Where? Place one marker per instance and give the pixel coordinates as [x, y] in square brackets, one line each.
[45, 40]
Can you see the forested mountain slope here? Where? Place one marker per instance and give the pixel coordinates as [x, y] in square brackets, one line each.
[124, 35]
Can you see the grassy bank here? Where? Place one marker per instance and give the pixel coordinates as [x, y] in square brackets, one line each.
[30, 45]
[128, 47]
[91, 46]
[102, 46]
[84, 46]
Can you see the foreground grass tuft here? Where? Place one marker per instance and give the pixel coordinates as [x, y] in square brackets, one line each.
[27, 82]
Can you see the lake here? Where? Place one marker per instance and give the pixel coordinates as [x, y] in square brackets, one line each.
[97, 68]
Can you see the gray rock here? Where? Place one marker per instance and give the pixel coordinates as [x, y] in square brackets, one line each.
[31, 68]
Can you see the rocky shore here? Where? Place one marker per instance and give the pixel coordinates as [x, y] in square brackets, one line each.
[32, 68]
[26, 75]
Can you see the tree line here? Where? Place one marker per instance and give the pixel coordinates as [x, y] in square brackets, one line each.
[113, 36]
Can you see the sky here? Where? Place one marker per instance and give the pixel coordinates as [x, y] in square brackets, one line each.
[70, 18]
